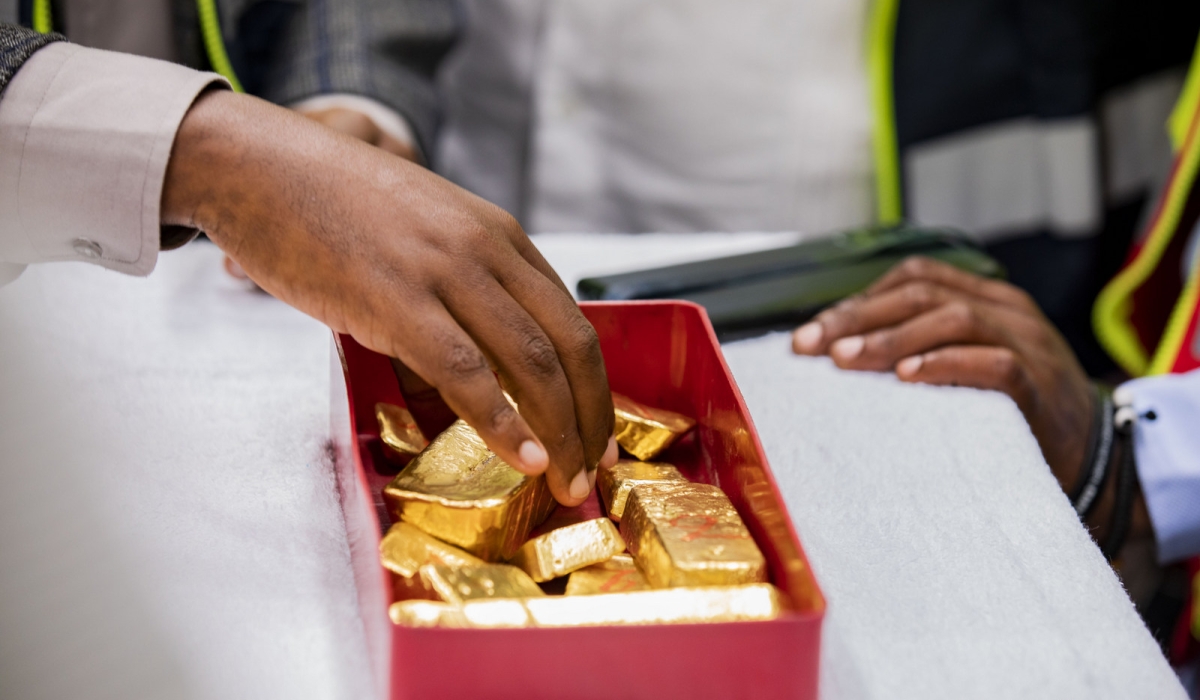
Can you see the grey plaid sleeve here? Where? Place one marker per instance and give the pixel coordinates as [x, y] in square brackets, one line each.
[17, 44]
[387, 50]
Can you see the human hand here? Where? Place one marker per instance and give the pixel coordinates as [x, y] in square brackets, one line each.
[363, 128]
[409, 265]
[933, 323]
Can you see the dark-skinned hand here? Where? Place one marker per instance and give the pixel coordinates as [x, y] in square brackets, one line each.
[408, 264]
[930, 322]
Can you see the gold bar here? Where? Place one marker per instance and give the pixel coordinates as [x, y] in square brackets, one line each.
[494, 613]
[684, 534]
[460, 492]
[405, 549]
[672, 606]
[559, 552]
[617, 575]
[645, 432]
[456, 584]
[615, 482]
[399, 430]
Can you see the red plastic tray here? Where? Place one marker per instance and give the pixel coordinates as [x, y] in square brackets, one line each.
[663, 354]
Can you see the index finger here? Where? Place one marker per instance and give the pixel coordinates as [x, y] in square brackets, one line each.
[922, 269]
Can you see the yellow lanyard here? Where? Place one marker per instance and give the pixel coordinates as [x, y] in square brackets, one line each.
[210, 31]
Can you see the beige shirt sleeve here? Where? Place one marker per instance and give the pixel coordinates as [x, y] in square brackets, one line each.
[85, 136]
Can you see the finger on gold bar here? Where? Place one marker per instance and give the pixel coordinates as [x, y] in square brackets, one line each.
[614, 483]
[617, 575]
[673, 606]
[406, 548]
[460, 492]
[455, 584]
[559, 552]
[684, 534]
[645, 432]
[399, 430]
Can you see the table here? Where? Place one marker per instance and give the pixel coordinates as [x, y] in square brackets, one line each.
[169, 520]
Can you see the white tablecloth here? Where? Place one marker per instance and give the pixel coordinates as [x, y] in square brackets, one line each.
[169, 521]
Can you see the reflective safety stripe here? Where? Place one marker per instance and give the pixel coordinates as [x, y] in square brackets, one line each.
[1008, 178]
[881, 42]
[1183, 317]
[1137, 150]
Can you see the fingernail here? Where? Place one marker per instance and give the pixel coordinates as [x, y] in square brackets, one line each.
[534, 459]
[848, 348]
[808, 336]
[579, 486]
[610, 453]
[591, 476]
[909, 365]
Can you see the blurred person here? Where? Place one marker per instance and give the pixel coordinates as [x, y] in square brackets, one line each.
[1031, 124]
[1130, 463]
[109, 158]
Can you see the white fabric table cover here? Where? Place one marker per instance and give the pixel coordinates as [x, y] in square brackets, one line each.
[169, 520]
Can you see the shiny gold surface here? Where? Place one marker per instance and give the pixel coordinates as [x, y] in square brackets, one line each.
[644, 432]
[617, 575]
[684, 534]
[405, 549]
[615, 482]
[460, 492]
[559, 552]
[476, 614]
[663, 607]
[398, 429]
[456, 584]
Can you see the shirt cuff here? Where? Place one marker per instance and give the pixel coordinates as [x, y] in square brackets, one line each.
[90, 133]
[384, 117]
[1165, 443]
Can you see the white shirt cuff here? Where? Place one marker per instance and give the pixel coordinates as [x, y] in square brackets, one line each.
[384, 117]
[1166, 444]
[85, 137]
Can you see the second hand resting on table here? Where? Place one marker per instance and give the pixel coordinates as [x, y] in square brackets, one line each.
[408, 264]
[933, 323]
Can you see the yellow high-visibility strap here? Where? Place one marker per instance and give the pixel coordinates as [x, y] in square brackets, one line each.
[881, 45]
[214, 42]
[1111, 315]
[1181, 116]
[1176, 333]
[43, 19]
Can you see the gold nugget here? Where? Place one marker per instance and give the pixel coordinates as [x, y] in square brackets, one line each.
[459, 491]
[615, 482]
[399, 430]
[664, 607]
[455, 584]
[645, 432]
[684, 534]
[617, 575]
[405, 549]
[559, 552]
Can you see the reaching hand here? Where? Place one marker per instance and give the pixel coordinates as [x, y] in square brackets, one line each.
[933, 323]
[409, 265]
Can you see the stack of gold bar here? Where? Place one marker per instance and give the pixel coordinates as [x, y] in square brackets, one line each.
[461, 553]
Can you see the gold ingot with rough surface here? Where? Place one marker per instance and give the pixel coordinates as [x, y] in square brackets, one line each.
[671, 606]
[617, 575]
[399, 430]
[457, 584]
[615, 482]
[406, 548]
[460, 492]
[684, 534]
[559, 552]
[645, 432]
